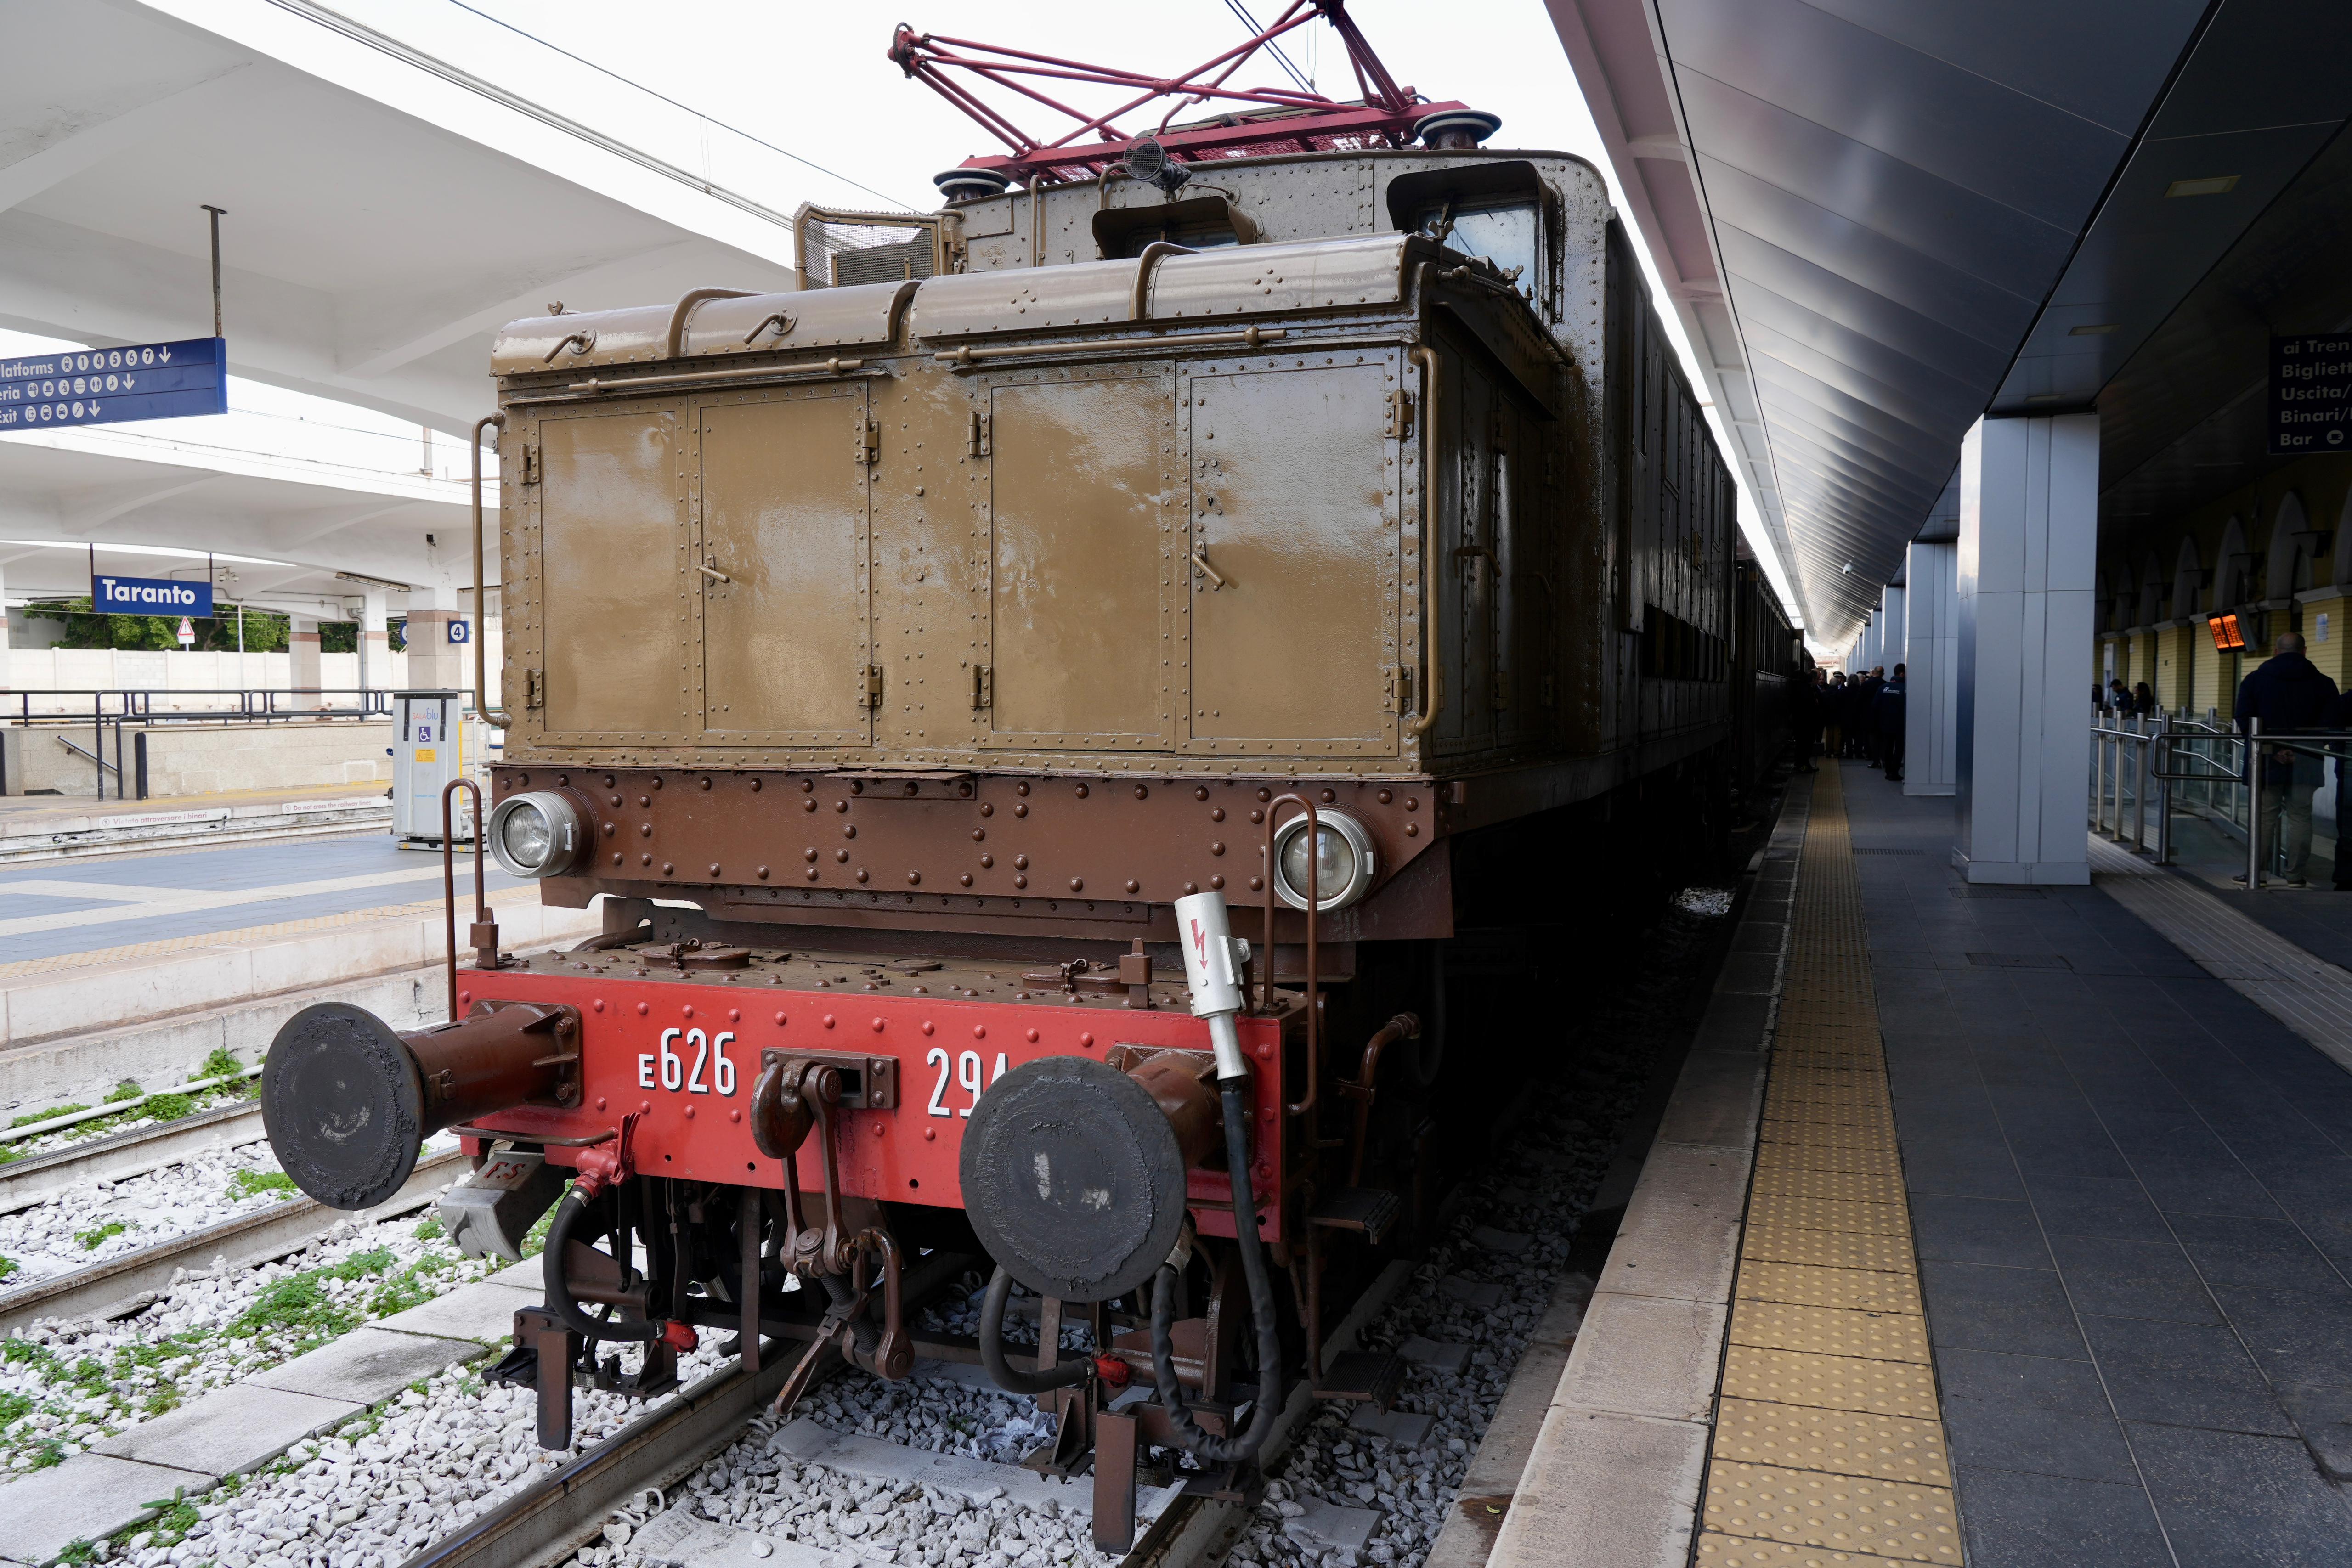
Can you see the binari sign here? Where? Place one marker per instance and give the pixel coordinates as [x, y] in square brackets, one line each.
[112, 386]
[150, 596]
[2310, 395]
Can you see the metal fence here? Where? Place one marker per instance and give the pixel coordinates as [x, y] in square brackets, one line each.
[103, 716]
[2146, 768]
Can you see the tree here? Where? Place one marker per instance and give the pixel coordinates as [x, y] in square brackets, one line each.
[265, 630]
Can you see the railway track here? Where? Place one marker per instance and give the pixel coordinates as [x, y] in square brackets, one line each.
[548, 1522]
[116, 1286]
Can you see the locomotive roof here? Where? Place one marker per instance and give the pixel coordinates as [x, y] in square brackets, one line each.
[1344, 273]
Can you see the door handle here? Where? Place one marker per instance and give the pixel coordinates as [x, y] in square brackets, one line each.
[1200, 559]
[714, 574]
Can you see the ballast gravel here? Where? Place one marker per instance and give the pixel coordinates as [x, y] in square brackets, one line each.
[71, 1230]
[65, 1386]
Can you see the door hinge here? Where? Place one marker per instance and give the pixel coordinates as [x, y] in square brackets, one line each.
[983, 687]
[865, 440]
[534, 688]
[978, 441]
[1400, 414]
[529, 464]
[869, 687]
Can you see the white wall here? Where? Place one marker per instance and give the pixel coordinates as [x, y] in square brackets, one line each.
[1931, 649]
[66, 670]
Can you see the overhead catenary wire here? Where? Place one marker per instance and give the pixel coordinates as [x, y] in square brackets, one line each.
[629, 81]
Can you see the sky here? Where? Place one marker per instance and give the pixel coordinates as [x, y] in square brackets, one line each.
[823, 116]
[784, 103]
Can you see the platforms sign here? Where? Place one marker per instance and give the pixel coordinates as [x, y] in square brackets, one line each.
[2310, 395]
[150, 596]
[110, 386]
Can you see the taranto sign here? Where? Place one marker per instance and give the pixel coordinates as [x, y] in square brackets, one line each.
[150, 596]
[2310, 395]
[110, 386]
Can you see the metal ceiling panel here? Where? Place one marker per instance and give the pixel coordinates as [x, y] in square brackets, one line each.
[1926, 282]
[1890, 191]
[1969, 130]
[1780, 147]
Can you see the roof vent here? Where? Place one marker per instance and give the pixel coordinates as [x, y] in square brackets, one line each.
[1457, 130]
[969, 184]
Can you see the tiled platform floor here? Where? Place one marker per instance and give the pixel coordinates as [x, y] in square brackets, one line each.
[175, 893]
[2131, 1192]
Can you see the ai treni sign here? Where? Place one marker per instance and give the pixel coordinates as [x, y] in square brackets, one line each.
[110, 386]
[150, 596]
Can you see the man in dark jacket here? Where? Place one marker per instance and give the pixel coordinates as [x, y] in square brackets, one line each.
[1864, 722]
[1887, 708]
[2288, 694]
[1805, 717]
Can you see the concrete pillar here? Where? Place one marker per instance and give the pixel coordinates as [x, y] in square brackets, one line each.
[302, 660]
[1893, 609]
[436, 663]
[1931, 651]
[2029, 530]
[374, 640]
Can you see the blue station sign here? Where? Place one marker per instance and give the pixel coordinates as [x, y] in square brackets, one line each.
[114, 386]
[150, 596]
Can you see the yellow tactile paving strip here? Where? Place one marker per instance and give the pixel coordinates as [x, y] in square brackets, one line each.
[1828, 1442]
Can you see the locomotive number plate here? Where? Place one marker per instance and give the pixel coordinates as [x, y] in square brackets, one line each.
[689, 1062]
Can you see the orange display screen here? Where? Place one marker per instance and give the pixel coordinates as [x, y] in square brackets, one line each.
[2226, 634]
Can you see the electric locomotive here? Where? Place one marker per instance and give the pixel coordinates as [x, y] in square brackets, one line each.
[1063, 717]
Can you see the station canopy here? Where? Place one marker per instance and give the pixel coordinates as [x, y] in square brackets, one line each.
[386, 212]
[1879, 223]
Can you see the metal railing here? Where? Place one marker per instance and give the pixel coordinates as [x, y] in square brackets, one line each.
[105, 714]
[2128, 778]
[2144, 768]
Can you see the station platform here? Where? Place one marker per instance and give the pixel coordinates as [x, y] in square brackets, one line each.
[2000, 1225]
[55, 910]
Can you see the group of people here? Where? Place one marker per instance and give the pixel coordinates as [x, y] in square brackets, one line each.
[2116, 698]
[1860, 717]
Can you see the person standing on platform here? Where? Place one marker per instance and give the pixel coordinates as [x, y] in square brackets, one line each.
[1834, 716]
[1865, 713]
[2288, 694]
[1888, 710]
[1805, 717]
[2144, 700]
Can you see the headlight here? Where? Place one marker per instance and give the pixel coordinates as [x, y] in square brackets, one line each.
[536, 834]
[1344, 863]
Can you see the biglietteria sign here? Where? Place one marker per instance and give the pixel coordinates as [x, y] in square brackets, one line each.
[110, 386]
[150, 596]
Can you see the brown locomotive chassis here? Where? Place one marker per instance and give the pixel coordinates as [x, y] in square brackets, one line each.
[1102, 857]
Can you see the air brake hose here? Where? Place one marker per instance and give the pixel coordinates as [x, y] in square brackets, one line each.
[559, 1286]
[1062, 1375]
[1229, 1450]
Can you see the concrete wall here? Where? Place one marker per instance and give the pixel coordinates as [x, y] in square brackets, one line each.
[38, 670]
[198, 759]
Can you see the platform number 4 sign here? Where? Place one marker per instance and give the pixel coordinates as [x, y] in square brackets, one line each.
[460, 631]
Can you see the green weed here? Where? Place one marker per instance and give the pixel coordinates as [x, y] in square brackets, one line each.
[92, 1240]
[220, 1063]
[126, 1089]
[30, 1117]
[251, 1182]
[168, 1107]
[295, 1304]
